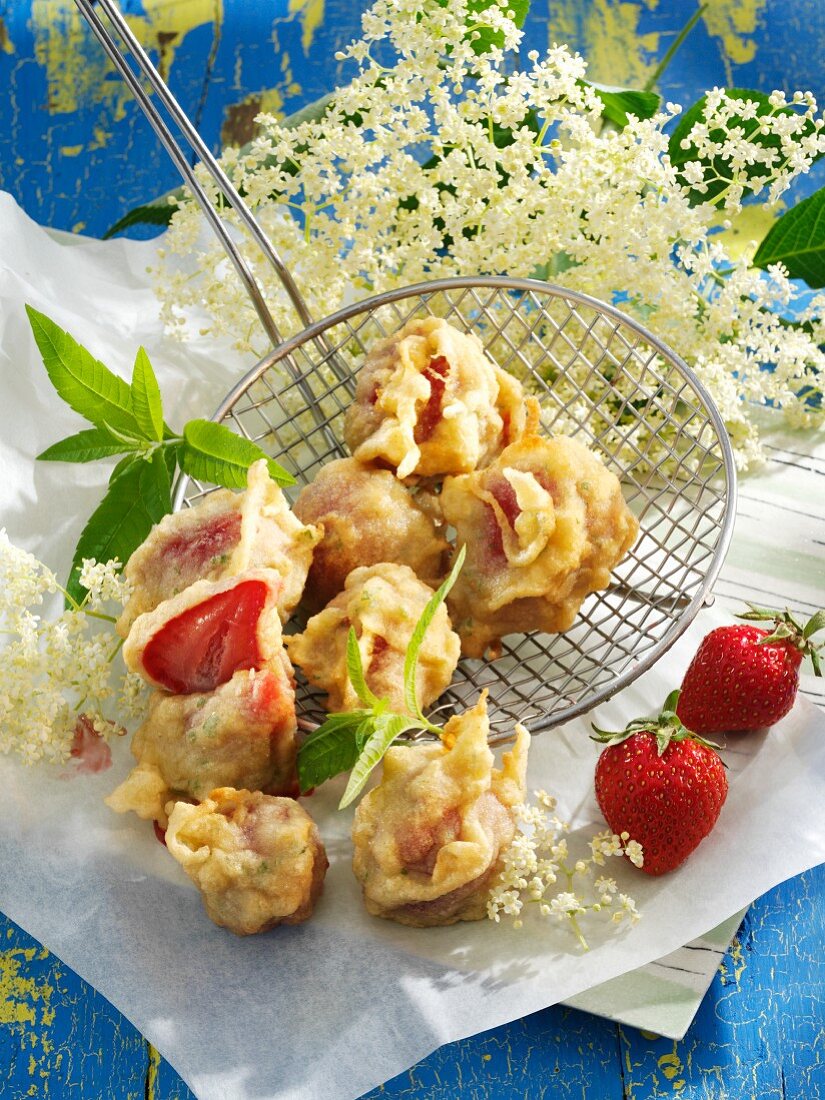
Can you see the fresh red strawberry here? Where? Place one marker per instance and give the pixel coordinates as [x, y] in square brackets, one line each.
[661, 785]
[744, 677]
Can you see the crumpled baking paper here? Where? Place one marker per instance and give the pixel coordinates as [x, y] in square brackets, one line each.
[331, 1008]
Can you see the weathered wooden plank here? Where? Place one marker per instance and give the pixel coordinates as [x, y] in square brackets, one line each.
[760, 1032]
[558, 1053]
[60, 1038]
[76, 153]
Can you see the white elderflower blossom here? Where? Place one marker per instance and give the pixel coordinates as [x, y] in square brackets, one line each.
[442, 161]
[57, 670]
[538, 857]
[104, 582]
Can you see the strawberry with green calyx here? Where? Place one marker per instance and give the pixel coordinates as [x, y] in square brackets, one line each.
[661, 784]
[744, 677]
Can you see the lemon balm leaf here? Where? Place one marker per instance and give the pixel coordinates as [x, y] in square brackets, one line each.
[359, 739]
[386, 728]
[211, 452]
[331, 749]
[87, 446]
[355, 671]
[427, 615]
[146, 400]
[134, 502]
[84, 383]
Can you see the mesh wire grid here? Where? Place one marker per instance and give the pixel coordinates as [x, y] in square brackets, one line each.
[599, 376]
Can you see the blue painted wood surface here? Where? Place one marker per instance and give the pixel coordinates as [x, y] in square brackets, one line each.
[759, 1034]
[76, 154]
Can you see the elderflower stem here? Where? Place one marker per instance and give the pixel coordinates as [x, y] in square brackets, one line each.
[574, 924]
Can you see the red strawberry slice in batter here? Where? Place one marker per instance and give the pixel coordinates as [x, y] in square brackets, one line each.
[505, 495]
[203, 646]
[436, 373]
[192, 550]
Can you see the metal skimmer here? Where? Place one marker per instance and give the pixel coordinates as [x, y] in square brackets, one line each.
[598, 375]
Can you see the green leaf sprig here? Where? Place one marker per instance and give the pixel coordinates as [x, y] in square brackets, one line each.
[127, 420]
[357, 740]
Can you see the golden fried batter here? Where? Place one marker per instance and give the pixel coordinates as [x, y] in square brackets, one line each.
[543, 525]
[240, 735]
[382, 603]
[429, 402]
[428, 839]
[367, 517]
[257, 860]
[227, 534]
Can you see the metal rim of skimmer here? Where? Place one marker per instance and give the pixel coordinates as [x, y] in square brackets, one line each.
[597, 371]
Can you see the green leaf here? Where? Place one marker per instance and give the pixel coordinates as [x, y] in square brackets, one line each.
[797, 240]
[411, 658]
[386, 729]
[355, 671]
[83, 382]
[331, 749]
[146, 399]
[211, 452]
[716, 167]
[312, 112]
[157, 212]
[669, 705]
[619, 103]
[86, 446]
[125, 464]
[134, 502]
[487, 37]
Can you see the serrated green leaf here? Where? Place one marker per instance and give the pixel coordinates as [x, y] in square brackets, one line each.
[716, 168]
[134, 502]
[386, 729]
[619, 103]
[157, 488]
[146, 399]
[355, 671]
[411, 657]
[122, 467]
[86, 446]
[211, 452]
[331, 749]
[157, 212]
[83, 382]
[797, 240]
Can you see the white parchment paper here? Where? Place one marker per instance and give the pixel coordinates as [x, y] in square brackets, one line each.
[334, 1007]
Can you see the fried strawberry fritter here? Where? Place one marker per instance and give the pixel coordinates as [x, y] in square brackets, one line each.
[429, 402]
[367, 517]
[257, 860]
[242, 734]
[382, 603]
[428, 839]
[225, 535]
[544, 525]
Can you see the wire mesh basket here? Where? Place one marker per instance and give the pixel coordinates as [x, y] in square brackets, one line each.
[598, 376]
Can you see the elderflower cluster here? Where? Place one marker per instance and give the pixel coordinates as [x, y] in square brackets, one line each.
[769, 154]
[538, 859]
[57, 670]
[437, 160]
